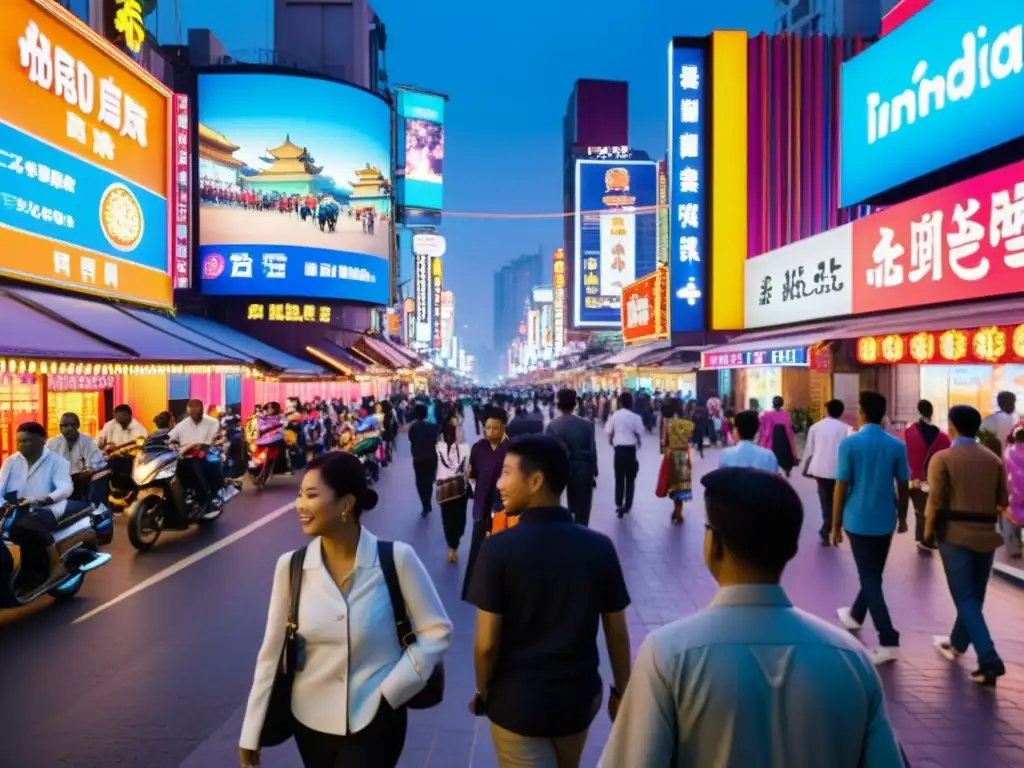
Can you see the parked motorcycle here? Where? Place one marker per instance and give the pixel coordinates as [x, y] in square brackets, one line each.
[163, 501]
[41, 555]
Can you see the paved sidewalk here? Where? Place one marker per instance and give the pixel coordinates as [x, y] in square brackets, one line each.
[943, 720]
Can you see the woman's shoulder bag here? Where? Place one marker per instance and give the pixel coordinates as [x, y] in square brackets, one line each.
[456, 486]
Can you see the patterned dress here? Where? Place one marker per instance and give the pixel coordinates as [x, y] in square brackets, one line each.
[678, 432]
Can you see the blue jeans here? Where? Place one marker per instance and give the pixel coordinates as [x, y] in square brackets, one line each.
[967, 573]
[870, 554]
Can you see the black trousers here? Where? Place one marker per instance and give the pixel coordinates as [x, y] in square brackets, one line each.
[378, 745]
[870, 554]
[480, 531]
[626, 467]
[920, 500]
[453, 520]
[826, 493]
[426, 472]
[579, 497]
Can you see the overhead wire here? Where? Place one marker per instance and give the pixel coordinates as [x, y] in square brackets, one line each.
[642, 209]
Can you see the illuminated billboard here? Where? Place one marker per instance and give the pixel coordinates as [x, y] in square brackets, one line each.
[616, 235]
[85, 181]
[294, 182]
[421, 149]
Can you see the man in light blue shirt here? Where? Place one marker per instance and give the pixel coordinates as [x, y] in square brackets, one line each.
[35, 473]
[751, 681]
[871, 501]
[747, 453]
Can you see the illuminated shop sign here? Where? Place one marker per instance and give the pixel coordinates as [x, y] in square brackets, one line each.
[645, 308]
[128, 23]
[558, 295]
[609, 153]
[791, 357]
[289, 313]
[994, 344]
[181, 165]
[437, 335]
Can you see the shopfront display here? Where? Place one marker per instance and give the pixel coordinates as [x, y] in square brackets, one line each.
[20, 401]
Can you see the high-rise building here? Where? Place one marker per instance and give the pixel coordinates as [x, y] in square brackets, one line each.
[832, 17]
[513, 290]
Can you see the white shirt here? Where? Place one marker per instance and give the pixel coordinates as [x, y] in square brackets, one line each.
[188, 432]
[726, 686]
[451, 460]
[114, 435]
[625, 428]
[1000, 423]
[352, 652]
[83, 455]
[49, 476]
[822, 449]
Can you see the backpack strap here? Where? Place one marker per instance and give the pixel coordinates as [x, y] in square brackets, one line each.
[403, 627]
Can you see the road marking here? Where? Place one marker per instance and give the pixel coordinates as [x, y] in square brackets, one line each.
[192, 559]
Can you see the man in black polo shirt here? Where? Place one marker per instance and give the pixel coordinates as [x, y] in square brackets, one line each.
[423, 439]
[541, 588]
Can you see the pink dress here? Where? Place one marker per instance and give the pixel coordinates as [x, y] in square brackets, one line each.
[1014, 458]
[770, 420]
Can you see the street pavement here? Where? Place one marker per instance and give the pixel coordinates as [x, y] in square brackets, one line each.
[150, 666]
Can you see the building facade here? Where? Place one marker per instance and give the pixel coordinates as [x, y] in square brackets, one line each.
[513, 290]
[831, 17]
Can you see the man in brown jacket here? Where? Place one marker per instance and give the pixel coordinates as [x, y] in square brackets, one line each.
[967, 495]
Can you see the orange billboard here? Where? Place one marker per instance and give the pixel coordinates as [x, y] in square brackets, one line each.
[85, 160]
[645, 308]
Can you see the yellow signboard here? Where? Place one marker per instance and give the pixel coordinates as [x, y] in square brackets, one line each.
[128, 21]
[289, 313]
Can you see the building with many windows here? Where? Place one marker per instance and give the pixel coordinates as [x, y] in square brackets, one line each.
[832, 17]
[513, 290]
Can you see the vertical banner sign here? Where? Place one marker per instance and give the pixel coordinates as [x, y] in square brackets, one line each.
[688, 184]
[558, 320]
[447, 323]
[182, 166]
[663, 249]
[424, 296]
[435, 305]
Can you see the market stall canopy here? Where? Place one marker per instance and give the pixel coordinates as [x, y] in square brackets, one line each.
[338, 358]
[414, 359]
[255, 352]
[669, 358]
[630, 355]
[35, 334]
[376, 351]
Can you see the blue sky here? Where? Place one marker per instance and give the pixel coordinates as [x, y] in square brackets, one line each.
[343, 128]
[509, 70]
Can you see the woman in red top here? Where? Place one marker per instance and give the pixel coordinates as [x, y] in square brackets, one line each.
[923, 440]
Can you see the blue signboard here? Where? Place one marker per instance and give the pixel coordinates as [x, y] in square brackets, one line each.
[936, 90]
[688, 183]
[314, 273]
[421, 149]
[616, 236]
[790, 357]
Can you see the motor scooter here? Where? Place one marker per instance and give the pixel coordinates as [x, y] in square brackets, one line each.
[43, 555]
[123, 489]
[163, 501]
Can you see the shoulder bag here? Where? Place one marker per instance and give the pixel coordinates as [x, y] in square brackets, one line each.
[433, 693]
[456, 486]
[278, 724]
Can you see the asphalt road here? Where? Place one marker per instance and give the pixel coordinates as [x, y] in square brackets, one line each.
[150, 666]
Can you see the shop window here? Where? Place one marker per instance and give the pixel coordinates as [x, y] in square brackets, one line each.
[88, 406]
[19, 403]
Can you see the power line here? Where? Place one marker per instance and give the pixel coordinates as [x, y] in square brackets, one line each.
[643, 209]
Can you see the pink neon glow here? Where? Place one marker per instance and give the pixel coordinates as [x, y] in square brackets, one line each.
[903, 11]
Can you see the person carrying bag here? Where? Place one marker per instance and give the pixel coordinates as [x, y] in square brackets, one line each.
[452, 486]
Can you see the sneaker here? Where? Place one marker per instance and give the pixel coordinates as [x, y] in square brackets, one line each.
[849, 623]
[925, 549]
[987, 674]
[885, 655]
[942, 644]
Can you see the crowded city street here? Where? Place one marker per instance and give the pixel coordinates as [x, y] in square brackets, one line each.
[151, 664]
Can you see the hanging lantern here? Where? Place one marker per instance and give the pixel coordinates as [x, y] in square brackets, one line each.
[892, 348]
[922, 347]
[867, 349]
[989, 344]
[953, 345]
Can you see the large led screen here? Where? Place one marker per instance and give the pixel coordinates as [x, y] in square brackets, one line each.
[84, 160]
[616, 235]
[421, 148]
[294, 181]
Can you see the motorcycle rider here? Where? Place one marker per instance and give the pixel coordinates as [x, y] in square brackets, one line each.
[120, 430]
[39, 477]
[199, 429]
[163, 420]
[85, 459]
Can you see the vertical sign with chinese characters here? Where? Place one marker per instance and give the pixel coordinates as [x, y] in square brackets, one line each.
[688, 185]
[182, 168]
[558, 291]
[424, 294]
[435, 304]
[447, 323]
[663, 249]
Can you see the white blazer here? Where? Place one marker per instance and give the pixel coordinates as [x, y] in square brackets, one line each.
[353, 657]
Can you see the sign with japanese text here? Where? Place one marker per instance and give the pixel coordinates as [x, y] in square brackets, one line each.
[181, 164]
[289, 313]
[85, 183]
[645, 308]
[688, 185]
[558, 299]
[423, 295]
[979, 346]
[437, 336]
[792, 357]
[809, 279]
[616, 235]
[931, 93]
[962, 242]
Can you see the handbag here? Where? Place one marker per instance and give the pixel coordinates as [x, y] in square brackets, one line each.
[454, 487]
[433, 693]
[661, 489]
[278, 724]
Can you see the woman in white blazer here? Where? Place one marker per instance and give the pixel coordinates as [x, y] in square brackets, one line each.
[452, 460]
[348, 700]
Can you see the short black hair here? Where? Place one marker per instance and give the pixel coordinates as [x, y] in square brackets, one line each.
[925, 408]
[1007, 401]
[778, 402]
[419, 411]
[835, 408]
[123, 408]
[873, 404]
[626, 400]
[747, 423]
[33, 428]
[567, 400]
[756, 515]
[72, 415]
[544, 454]
[499, 414]
[965, 419]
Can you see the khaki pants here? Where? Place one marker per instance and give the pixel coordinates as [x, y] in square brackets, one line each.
[515, 751]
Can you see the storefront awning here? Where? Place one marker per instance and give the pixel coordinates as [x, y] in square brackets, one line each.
[337, 358]
[35, 334]
[376, 351]
[630, 355]
[255, 352]
[170, 325]
[670, 358]
[414, 359]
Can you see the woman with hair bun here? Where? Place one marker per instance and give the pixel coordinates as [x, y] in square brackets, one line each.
[350, 690]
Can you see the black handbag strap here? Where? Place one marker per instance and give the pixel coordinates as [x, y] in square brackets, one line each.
[294, 593]
[403, 627]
